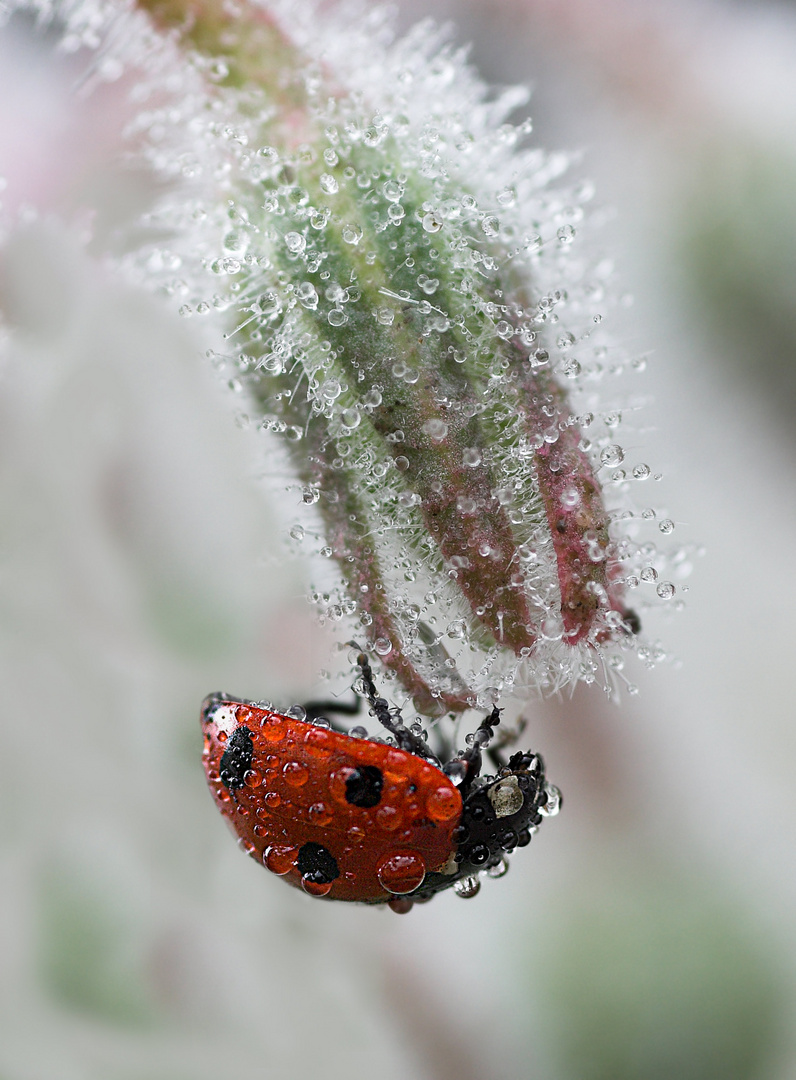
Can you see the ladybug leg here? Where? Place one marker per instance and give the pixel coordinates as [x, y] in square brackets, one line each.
[506, 738]
[405, 738]
[472, 756]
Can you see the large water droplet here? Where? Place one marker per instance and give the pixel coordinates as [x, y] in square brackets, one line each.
[467, 887]
[350, 419]
[401, 872]
[612, 455]
[295, 242]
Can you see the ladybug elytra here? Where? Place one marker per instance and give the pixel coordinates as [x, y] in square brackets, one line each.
[355, 819]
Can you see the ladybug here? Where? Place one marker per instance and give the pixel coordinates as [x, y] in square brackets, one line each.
[357, 819]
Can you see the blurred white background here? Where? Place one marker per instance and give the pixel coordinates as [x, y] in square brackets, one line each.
[650, 931]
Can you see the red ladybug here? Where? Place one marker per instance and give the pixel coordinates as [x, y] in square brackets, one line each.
[354, 819]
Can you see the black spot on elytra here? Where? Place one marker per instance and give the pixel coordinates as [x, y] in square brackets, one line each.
[363, 786]
[236, 759]
[316, 864]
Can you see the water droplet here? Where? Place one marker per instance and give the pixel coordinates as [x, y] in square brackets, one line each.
[506, 797]
[316, 888]
[500, 870]
[392, 190]
[612, 455]
[455, 771]
[307, 296]
[320, 814]
[295, 773]
[467, 887]
[350, 419]
[401, 906]
[665, 590]
[571, 368]
[268, 304]
[297, 532]
[328, 183]
[352, 234]
[641, 471]
[401, 872]
[443, 803]
[280, 858]
[553, 804]
[432, 222]
[566, 234]
[427, 284]
[649, 573]
[337, 317]
[386, 316]
[295, 242]
[396, 213]
[471, 457]
[383, 646]
[490, 225]
[666, 526]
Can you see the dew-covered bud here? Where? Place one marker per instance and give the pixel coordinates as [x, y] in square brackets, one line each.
[406, 311]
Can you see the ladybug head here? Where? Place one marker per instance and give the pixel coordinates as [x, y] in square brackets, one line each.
[501, 813]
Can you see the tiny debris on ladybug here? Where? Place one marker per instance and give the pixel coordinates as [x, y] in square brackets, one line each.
[355, 819]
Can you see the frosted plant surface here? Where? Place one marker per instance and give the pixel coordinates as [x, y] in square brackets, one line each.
[395, 269]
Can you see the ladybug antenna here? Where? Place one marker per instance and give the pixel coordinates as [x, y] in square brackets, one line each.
[406, 739]
[472, 757]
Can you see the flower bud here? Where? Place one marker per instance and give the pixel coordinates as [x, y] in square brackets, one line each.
[406, 308]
